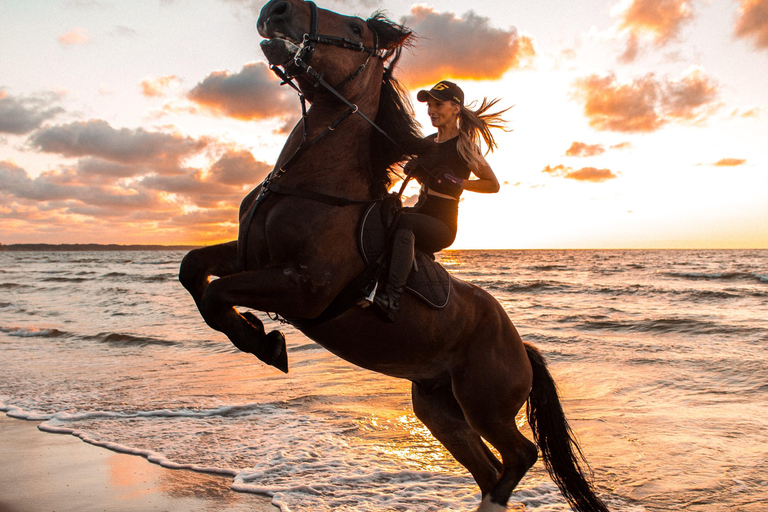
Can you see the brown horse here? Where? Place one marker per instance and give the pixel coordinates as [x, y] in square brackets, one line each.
[296, 251]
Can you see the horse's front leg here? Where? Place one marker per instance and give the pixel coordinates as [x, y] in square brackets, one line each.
[199, 265]
[244, 330]
[288, 290]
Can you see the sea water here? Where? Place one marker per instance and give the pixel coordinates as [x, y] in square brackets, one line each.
[660, 358]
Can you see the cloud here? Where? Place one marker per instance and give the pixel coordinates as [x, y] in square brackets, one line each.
[657, 21]
[461, 47]
[730, 162]
[74, 37]
[584, 149]
[20, 115]
[157, 86]
[590, 174]
[753, 22]
[647, 103]
[97, 138]
[239, 168]
[252, 93]
[746, 114]
[99, 196]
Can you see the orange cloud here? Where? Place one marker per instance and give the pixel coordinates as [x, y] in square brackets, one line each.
[691, 98]
[645, 104]
[590, 174]
[730, 162]
[253, 93]
[753, 22]
[461, 47]
[20, 115]
[74, 37]
[747, 114]
[659, 21]
[94, 196]
[153, 87]
[584, 149]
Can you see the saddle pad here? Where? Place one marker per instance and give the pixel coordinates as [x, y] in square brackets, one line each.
[428, 279]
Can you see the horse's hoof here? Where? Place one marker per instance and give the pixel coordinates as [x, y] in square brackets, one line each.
[275, 342]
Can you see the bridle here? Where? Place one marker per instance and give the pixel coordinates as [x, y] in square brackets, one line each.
[300, 66]
[307, 47]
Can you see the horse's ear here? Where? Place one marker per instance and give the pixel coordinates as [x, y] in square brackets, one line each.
[391, 35]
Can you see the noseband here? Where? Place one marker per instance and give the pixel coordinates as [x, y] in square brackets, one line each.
[304, 54]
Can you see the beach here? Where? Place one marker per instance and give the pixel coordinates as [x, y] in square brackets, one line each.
[659, 357]
[43, 472]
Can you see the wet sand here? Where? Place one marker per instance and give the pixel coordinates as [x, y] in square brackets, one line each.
[45, 472]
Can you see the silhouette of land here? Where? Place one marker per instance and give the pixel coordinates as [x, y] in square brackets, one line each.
[94, 247]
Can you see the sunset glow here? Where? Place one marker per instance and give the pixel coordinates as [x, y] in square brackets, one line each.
[634, 123]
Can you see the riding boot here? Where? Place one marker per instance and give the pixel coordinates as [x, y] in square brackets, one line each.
[400, 263]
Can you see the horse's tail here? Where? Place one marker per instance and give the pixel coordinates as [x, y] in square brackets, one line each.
[559, 449]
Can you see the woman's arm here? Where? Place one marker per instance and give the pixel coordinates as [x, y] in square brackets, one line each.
[487, 183]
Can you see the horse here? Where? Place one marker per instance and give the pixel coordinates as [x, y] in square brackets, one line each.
[296, 251]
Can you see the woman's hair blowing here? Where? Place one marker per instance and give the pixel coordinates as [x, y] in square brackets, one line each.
[475, 125]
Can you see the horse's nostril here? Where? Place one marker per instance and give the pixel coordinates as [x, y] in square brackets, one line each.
[281, 9]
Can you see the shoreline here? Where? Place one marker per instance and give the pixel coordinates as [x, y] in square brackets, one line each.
[60, 473]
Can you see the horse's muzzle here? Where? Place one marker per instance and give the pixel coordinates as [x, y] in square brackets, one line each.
[279, 51]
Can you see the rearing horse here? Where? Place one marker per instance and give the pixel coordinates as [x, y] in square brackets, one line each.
[296, 251]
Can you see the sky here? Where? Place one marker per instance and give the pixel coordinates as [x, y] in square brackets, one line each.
[633, 123]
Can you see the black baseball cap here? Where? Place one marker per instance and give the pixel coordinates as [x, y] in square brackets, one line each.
[443, 91]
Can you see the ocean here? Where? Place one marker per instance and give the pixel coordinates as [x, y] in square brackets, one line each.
[660, 358]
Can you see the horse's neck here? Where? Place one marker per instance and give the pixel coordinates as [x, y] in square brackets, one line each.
[339, 162]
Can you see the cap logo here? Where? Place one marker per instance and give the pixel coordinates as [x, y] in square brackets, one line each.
[440, 87]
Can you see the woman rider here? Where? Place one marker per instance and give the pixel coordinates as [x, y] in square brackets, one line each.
[443, 170]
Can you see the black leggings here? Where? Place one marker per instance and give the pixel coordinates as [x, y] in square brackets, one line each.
[432, 234]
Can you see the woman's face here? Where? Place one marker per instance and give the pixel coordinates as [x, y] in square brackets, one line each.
[442, 113]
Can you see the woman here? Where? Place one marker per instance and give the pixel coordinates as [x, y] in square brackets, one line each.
[443, 170]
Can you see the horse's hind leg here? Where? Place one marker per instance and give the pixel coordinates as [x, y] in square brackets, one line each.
[491, 388]
[437, 408]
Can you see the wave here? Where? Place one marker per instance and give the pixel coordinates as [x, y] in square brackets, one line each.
[717, 276]
[128, 339]
[535, 286]
[103, 337]
[65, 279]
[663, 326]
[34, 332]
[644, 290]
[13, 286]
[123, 276]
[547, 268]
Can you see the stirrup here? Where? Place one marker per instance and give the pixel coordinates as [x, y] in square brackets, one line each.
[367, 301]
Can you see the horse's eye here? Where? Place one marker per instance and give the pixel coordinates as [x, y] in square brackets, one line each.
[357, 31]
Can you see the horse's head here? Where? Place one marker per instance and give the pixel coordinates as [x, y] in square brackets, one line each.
[298, 34]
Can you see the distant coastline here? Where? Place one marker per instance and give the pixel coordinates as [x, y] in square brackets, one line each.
[94, 247]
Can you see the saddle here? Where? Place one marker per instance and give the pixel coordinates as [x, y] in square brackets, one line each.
[428, 280]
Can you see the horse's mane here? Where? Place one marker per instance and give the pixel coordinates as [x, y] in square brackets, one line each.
[395, 115]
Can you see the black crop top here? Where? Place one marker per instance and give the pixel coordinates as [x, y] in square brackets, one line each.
[446, 155]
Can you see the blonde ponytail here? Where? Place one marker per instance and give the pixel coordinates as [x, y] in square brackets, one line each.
[475, 125]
